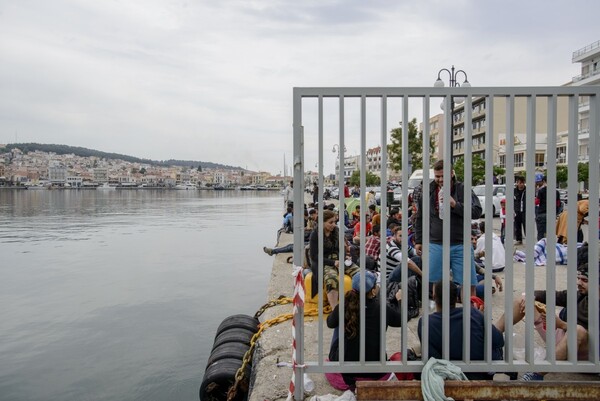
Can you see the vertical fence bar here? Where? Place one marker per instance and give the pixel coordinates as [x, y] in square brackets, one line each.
[593, 224]
[489, 178]
[508, 243]
[383, 225]
[551, 239]
[320, 162]
[529, 263]
[362, 220]
[572, 148]
[298, 195]
[404, 244]
[425, 210]
[342, 159]
[467, 245]
[448, 105]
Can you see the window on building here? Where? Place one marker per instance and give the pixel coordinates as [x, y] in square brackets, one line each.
[561, 154]
[502, 161]
[539, 160]
[519, 160]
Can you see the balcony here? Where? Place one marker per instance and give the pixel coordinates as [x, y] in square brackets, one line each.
[586, 76]
[578, 54]
[584, 106]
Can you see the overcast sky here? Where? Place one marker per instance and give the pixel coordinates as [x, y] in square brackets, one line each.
[212, 80]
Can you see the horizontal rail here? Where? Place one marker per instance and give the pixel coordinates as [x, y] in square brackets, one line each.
[481, 390]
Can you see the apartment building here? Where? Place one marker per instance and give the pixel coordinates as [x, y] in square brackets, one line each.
[497, 148]
[436, 133]
[588, 56]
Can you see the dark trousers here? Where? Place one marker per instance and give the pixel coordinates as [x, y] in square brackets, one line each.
[520, 231]
[540, 222]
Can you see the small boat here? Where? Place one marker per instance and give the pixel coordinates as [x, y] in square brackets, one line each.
[106, 186]
[186, 186]
[248, 188]
[219, 188]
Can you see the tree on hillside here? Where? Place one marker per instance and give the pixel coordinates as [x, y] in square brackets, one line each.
[415, 146]
[370, 178]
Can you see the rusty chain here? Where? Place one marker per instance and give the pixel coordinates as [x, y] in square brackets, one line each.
[240, 375]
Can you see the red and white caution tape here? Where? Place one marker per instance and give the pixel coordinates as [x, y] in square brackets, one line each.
[298, 303]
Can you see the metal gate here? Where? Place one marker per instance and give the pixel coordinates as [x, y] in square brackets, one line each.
[348, 117]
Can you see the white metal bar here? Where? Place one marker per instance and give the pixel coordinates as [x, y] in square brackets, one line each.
[425, 210]
[446, 229]
[529, 263]
[489, 178]
[467, 245]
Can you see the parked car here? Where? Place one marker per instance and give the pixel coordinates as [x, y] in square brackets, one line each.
[498, 193]
[398, 195]
[563, 195]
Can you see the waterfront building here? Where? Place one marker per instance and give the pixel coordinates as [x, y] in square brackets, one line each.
[588, 56]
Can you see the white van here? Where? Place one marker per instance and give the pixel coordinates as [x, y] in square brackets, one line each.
[415, 179]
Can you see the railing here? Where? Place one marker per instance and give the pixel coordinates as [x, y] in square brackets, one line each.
[586, 76]
[377, 106]
[586, 49]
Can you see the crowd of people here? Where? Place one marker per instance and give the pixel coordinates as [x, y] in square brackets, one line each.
[384, 255]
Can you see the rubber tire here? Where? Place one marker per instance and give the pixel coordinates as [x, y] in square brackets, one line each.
[221, 374]
[235, 335]
[228, 350]
[238, 321]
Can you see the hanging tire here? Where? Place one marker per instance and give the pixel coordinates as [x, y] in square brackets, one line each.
[234, 335]
[231, 350]
[219, 377]
[238, 321]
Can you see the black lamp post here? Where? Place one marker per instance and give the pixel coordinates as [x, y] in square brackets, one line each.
[453, 75]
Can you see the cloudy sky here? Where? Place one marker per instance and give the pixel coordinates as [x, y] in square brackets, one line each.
[212, 80]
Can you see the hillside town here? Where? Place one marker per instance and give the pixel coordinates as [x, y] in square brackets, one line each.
[50, 170]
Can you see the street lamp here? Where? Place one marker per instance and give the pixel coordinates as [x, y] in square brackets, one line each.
[453, 75]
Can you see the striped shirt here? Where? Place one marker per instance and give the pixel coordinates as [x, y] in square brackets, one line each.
[394, 256]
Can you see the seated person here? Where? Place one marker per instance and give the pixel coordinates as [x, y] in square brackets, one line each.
[368, 228]
[498, 253]
[331, 255]
[456, 331]
[583, 300]
[372, 325]
[583, 208]
[373, 245]
[394, 257]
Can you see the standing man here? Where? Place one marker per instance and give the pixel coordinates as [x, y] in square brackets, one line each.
[453, 198]
[519, 203]
[541, 200]
[315, 193]
[288, 195]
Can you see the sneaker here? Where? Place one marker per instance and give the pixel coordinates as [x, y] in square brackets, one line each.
[531, 376]
[268, 251]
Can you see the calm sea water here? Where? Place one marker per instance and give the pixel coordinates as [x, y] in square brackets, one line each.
[116, 295]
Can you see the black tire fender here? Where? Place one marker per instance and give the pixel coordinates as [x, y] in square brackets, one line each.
[232, 350]
[218, 378]
[234, 335]
[238, 321]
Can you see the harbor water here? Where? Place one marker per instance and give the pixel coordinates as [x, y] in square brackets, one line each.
[116, 294]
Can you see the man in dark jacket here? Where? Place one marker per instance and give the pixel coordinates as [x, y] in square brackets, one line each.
[453, 198]
[520, 210]
[541, 200]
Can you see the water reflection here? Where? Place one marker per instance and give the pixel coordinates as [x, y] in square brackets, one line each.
[116, 294]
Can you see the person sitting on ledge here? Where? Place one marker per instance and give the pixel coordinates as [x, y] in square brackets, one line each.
[372, 315]
[477, 334]
[562, 351]
[331, 262]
